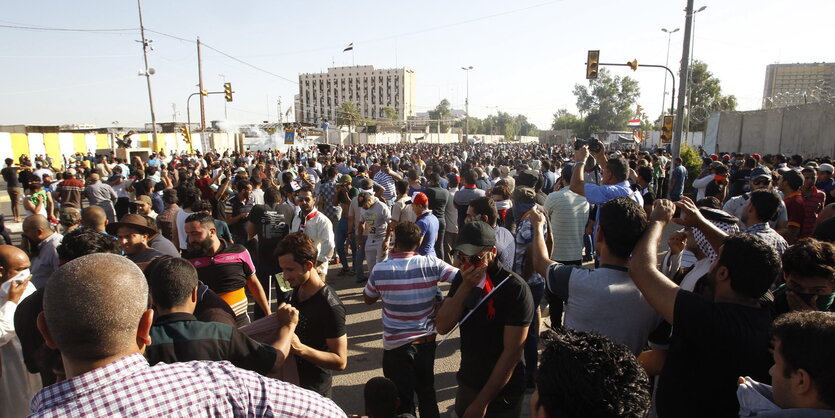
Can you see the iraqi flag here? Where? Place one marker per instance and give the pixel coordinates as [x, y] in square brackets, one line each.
[350, 47]
[633, 123]
[637, 138]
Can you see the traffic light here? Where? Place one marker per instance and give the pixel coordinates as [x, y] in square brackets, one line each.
[667, 130]
[184, 131]
[227, 91]
[592, 64]
[633, 64]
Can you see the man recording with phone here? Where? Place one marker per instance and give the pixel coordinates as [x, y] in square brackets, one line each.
[614, 173]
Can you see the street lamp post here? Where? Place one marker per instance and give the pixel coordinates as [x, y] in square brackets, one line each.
[467, 104]
[225, 117]
[667, 64]
[690, 71]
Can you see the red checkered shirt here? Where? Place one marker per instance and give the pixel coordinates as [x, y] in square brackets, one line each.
[131, 387]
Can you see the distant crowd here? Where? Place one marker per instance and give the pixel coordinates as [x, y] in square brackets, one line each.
[602, 283]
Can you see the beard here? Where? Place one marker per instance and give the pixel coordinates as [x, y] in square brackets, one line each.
[201, 248]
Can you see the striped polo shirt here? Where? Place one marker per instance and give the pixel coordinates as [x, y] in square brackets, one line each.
[407, 283]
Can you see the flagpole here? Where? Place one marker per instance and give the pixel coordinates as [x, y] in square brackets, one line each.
[352, 57]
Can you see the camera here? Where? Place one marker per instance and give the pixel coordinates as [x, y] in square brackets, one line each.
[594, 144]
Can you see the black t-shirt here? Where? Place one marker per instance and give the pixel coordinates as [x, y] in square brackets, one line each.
[649, 196]
[272, 224]
[438, 198]
[712, 345]
[226, 271]
[482, 337]
[10, 176]
[321, 317]
[738, 180]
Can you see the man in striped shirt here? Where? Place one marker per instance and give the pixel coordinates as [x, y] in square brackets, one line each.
[408, 283]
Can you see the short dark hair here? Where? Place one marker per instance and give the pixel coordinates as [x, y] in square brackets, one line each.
[645, 173]
[205, 219]
[381, 397]
[751, 264]
[810, 258]
[485, 206]
[794, 179]
[84, 241]
[806, 340]
[468, 176]
[272, 195]
[201, 206]
[300, 246]
[765, 203]
[406, 236]
[170, 280]
[618, 167]
[242, 185]
[622, 221]
[584, 374]
[401, 186]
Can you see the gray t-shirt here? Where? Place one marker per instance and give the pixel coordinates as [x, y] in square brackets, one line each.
[604, 300]
[376, 220]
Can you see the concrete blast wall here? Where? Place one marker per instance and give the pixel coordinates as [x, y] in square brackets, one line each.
[808, 130]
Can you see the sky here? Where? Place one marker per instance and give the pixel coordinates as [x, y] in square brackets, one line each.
[527, 55]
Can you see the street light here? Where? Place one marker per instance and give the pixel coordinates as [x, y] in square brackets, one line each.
[467, 104]
[690, 68]
[667, 64]
[224, 103]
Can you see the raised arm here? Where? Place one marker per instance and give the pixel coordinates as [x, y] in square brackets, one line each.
[539, 250]
[578, 176]
[659, 291]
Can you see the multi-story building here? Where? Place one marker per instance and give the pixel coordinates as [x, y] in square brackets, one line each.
[322, 94]
[792, 84]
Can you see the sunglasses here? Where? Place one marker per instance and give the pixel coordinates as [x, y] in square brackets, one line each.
[473, 259]
[761, 182]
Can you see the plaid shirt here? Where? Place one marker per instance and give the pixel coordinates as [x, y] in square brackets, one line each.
[325, 191]
[130, 387]
[770, 236]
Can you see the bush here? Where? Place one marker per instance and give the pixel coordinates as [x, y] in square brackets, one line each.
[693, 163]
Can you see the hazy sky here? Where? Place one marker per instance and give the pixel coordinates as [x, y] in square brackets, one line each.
[527, 55]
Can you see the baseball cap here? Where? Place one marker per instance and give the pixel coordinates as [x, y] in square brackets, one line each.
[345, 179]
[760, 172]
[523, 195]
[527, 178]
[714, 157]
[826, 168]
[420, 198]
[143, 199]
[474, 236]
[366, 184]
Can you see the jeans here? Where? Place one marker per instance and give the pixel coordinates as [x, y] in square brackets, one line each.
[359, 257]
[340, 236]
[412, 369]
[531, 354]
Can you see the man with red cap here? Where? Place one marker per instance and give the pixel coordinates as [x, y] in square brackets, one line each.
[428, 224]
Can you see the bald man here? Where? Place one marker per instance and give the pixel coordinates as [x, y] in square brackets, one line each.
[94, 217]
[107, 374]
[102, 195]
[43, 244]
[17, 385]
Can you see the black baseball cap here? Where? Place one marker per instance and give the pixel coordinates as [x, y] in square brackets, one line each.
[474, 237]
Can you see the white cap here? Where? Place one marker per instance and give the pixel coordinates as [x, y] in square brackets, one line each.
[826, 167]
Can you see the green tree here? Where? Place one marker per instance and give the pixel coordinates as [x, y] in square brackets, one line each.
[390, 113]
[349, 115]
[526, 128]
[705, 97]
[440, 112]
[564, 119]
[476, 125]
[607, 102]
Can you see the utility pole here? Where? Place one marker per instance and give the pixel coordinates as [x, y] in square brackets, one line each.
[174, 110]
[467, 105]
[148, 72]
[280, 115]
[667, 64]
[682, 77]
[200, 86]
[225, 115]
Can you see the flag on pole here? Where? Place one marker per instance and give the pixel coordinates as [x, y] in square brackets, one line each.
[350, 47]
[634, 123]
[637, 138]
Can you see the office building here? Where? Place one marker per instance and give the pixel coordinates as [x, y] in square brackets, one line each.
[372, 90]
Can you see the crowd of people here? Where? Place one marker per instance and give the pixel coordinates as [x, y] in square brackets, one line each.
[200, 284]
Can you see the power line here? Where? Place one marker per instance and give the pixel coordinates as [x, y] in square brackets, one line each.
[57, 29]
[249, 65]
